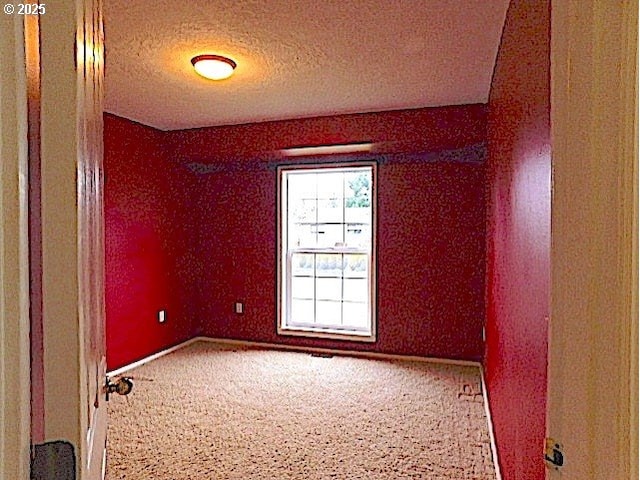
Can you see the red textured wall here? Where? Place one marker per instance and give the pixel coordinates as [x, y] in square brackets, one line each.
[194, 243]
[518, 240]
[431, 228]
[148, 233]
[399, 131]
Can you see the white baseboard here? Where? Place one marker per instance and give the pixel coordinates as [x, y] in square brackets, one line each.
[131, 366]
[492, 437]
[333, 351]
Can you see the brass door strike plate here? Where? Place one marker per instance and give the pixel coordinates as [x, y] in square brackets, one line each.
[553, 455]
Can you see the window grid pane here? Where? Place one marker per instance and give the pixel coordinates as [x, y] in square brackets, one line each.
[331, 282]
[325, 216]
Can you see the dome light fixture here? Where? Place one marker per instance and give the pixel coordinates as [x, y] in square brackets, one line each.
[213, 67]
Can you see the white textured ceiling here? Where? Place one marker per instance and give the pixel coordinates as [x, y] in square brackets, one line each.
[296, 58]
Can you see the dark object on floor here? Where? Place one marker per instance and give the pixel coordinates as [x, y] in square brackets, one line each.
[53, 461]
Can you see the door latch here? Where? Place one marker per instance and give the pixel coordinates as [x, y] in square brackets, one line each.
[121, 386]
[553, 454]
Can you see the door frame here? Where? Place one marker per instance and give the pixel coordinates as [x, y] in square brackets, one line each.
[68, 181]
[592, 408]
[71, 142]
[15, 382]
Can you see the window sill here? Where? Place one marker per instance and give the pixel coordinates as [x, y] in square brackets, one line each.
[325, 333]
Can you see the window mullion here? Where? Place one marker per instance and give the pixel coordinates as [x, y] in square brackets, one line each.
[317, 208]
[315, 289]
[342, 289]
[344, 210]
[289, 286]
[344, 242]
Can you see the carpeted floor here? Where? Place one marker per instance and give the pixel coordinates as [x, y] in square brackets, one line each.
[213, 412]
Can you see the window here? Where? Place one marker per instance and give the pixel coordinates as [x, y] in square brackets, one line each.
[326, 254]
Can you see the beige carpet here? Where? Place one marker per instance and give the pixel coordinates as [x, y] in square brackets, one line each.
[212, 412]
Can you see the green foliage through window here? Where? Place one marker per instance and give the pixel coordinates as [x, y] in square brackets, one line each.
[361, 187]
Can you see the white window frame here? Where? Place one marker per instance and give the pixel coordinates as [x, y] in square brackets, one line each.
[284, 326]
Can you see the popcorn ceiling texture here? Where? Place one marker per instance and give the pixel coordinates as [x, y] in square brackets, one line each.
[296, 59]
[212, 412]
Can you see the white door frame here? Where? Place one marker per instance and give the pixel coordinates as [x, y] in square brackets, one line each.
[71, 58]
[65, 146]
[593, 334]
[14, 255]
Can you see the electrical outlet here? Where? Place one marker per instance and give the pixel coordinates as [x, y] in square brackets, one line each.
[239, 307]
[162, 316]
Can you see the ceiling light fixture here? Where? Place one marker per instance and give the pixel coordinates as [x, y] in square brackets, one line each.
[213, 67]
[327, 149]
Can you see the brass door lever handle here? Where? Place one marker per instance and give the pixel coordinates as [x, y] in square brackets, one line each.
[121, 386]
